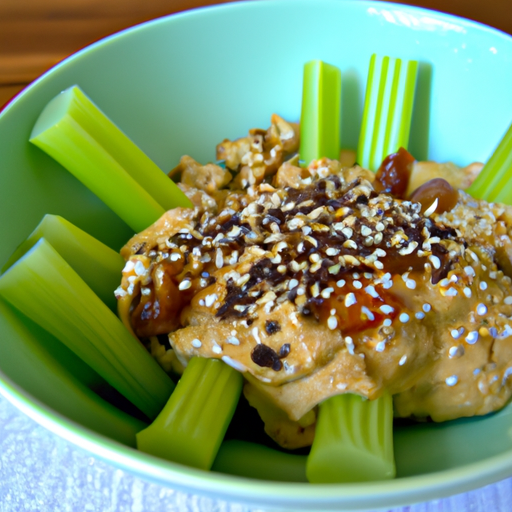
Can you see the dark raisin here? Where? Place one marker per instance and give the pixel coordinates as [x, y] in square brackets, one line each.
[264, 356]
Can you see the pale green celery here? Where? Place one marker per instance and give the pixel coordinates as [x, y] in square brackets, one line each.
[24, 358]
[76, 133]
[98, 265]
[252, 460]
[47, 290]
[494, 181]
[320, 116]
[190, 428]
[387, 111]
[353, 441]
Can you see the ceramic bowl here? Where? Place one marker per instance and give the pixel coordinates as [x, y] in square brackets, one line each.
[180, 84]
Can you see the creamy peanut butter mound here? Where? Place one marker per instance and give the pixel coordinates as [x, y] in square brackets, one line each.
[316, 281]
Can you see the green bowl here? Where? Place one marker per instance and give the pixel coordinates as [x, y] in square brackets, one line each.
[180, 84]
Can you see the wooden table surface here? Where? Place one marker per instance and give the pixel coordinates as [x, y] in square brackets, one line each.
[36, 34]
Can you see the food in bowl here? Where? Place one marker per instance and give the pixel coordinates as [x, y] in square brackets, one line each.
[327, 279]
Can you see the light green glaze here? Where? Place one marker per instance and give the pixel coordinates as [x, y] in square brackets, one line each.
[387, 111]
[320, 115]
[74, 131]
[98, 265]
[146, 84]
[47, 290]
[191, 426]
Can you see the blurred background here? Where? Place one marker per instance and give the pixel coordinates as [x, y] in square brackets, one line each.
[36, 34]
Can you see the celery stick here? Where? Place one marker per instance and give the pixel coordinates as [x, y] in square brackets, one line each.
[98, 265]
[493, 182]
[387, 112]
[353, 441]
[25, 359]
[73, 131]
[190, 428]
[252, 460]
[46, 289]
[320, 117]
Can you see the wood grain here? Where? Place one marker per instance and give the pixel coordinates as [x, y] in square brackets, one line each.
[35, 34]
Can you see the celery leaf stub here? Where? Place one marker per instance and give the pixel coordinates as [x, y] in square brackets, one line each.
[192, 425]
[78, 135]
[320, 116]
[43, 286]
[353, 441]
[387, 115]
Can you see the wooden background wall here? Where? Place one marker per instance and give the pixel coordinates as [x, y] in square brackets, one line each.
[36, 34]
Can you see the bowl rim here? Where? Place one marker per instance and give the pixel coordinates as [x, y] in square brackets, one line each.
[400, 491]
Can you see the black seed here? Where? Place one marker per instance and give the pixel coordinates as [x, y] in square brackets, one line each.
[284, 351]
[362, 199]
[272, 327]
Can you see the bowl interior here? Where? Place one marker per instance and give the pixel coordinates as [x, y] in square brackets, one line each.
[181, 84]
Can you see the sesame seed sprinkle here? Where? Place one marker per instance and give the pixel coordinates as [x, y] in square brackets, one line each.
[196, 343]
[452, 380]
[472, 337]
[481, 309]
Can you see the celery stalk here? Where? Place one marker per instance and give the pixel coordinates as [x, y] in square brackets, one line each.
[73, 131]
[24, 358]
[252, 460]
[47, 290]
[98, 265]
[353, 441]
[493, 182]
[320, 117]
[190, 428]
[388, 107]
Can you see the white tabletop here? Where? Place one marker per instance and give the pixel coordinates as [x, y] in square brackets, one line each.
[40, 472]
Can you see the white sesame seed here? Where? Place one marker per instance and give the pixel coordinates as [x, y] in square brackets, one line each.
[436, 262]
[481, 309]
[219, 259]
[292, 284]
[402, 361]
[472, 337]
[493, 275]
[420, 315]
[129, 266]
[483, 285]
[380, 346]
[379, 226]
[216, 349]
[370, 290]
[467, 292]
[340, 283]
[404, 318]
[139, 268]
[508, 300]
[379, 265]
[315, 258]
[410, 283]
[386, 309]
[451, 292]
[350, 299]
[456, 334]
[366, 231]
[332, 251]
[332, 323]
[210, 299]
[357, 284]
[185, 284]
[196, 343]
[301, 291]
[349, 343]
[387, 322]
[232, 340]
[456, 351]
[444, 282]
[326, 292]
[452, 380]
[348, 232]
[368, 313]
[426, 307]
[469, 271]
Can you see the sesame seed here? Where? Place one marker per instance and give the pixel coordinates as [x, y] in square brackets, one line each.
[185, 284]
[436, 262]
[481, 309]
[508, 300]
[379, 226]
[451, 292]
[350, 299]
[370, 290]
[232, 340]
[387, 322]
[357, 285]
[219, 259]
[129, 266]
[292, 284]
[452, 380]
[493, 275]
[420, 315]
[216, 349]
[368, 313]
[175, 256]
[210, 299]
[444, 282]
[469, 271]
[366, 231]
[340, 283]
[386, 309]
[379, 265]
[456, 333]
[196, 343]
[301, 291]
[472, 337]
[404, 318]
[410, 283]
[326, 293]
[348, 232]
[332, 251]
[402, 361]
[349, 343]
[380, 346]
[456, 351]
[467, 292]
[483, 285]
[332, 323]
[426, 307]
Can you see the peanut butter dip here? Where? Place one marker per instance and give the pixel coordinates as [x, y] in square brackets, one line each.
[317, 281]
